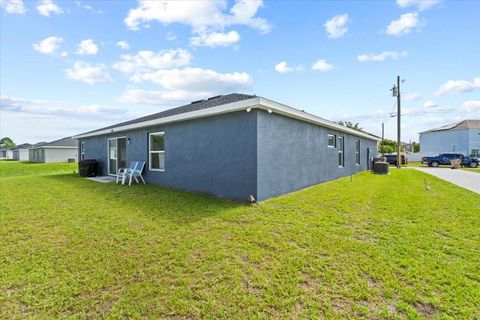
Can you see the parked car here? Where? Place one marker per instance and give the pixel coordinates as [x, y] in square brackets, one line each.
[392, 158]
[445, 158]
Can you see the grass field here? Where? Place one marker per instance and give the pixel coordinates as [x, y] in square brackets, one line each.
[10, 168]
[378, 247]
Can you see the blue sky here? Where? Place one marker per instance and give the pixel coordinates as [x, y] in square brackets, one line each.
[71, 66]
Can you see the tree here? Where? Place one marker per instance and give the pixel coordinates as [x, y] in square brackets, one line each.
[6, 142]
[415, 147]
[387, 146]
[351, 125]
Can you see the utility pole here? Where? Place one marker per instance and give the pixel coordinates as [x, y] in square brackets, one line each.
[383, 135]
[399, 160]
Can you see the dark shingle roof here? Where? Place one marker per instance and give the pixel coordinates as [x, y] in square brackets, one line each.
[193, 106]
[64, 142]
[22, 146]
[465, 124]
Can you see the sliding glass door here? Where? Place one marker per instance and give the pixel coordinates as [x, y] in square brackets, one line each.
[117, 151]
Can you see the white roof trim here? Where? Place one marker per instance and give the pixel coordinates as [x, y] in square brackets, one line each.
[52, 147]
[254, 103]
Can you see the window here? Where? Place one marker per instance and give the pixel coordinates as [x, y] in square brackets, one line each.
[357, 151]
[82, 150]
[332, 141]
[341, 155]
[475, 152]
[156, 151]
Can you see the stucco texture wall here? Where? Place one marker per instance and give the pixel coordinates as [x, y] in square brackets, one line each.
[433, 143]
[60, 154]
[239, 154]
[215, 155]
[293, 154]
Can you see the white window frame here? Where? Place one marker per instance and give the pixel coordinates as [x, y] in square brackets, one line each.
[334, 140]
[116, 153]
[160, 152]
[341, 151]
[82, 150]
[475, 154]
[357, 151]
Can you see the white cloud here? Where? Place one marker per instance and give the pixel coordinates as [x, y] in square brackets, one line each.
[87, 47]
[429, 104]
[87, 7]
[283, 67]
[420, 4]
[88, 73]
[458, 86]
[57, 108]
[382, 56]
[64, 53]
[48, 45]
[147, 61]
[162, 97]
[322, 65]
[215, 39]
[471, 106]
[47, 7]
[13, 6]
[337, 26]
[170, 36]
[413, 96]
[123, 45]
[404, 25]
[195, 79]
[202, 16]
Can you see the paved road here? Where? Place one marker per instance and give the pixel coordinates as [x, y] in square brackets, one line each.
[465, 179]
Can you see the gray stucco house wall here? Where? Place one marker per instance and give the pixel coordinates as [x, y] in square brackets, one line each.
[240, 153]
[293, 154]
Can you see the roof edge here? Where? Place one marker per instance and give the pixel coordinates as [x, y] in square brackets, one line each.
[253, 103]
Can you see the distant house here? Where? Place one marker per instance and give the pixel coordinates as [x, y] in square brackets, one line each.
[232, 146]
[62, 150]
[460, 137]
[20, 152]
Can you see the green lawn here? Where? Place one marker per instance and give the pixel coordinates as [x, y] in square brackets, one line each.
[10, 168]
[376, 247]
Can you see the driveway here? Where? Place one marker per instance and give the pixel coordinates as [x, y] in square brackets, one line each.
[465, 179]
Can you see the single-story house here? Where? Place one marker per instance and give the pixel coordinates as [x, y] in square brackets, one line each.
[20, 152]
[459, 137]
[3, 153]
[62, 150]
[232, 146]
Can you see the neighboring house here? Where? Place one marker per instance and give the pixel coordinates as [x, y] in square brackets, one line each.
[232, 146]
[20, 152]
[3, 153]
[62, 150]
[460, 137]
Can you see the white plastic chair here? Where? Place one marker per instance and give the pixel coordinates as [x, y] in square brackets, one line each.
[137, 172]
[122, 173]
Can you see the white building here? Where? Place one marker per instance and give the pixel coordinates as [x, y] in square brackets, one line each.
[63, 150]
[20, 152]
[460, 137]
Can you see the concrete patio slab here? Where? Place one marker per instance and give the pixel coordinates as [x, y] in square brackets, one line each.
[103, 179]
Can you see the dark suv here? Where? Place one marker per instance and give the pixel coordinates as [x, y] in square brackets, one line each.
[392, 159]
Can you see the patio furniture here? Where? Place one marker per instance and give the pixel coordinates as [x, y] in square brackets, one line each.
[137, 172]
[122, 173]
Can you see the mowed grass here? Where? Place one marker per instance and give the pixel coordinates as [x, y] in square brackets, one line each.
[10, 168]
[378, 247]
